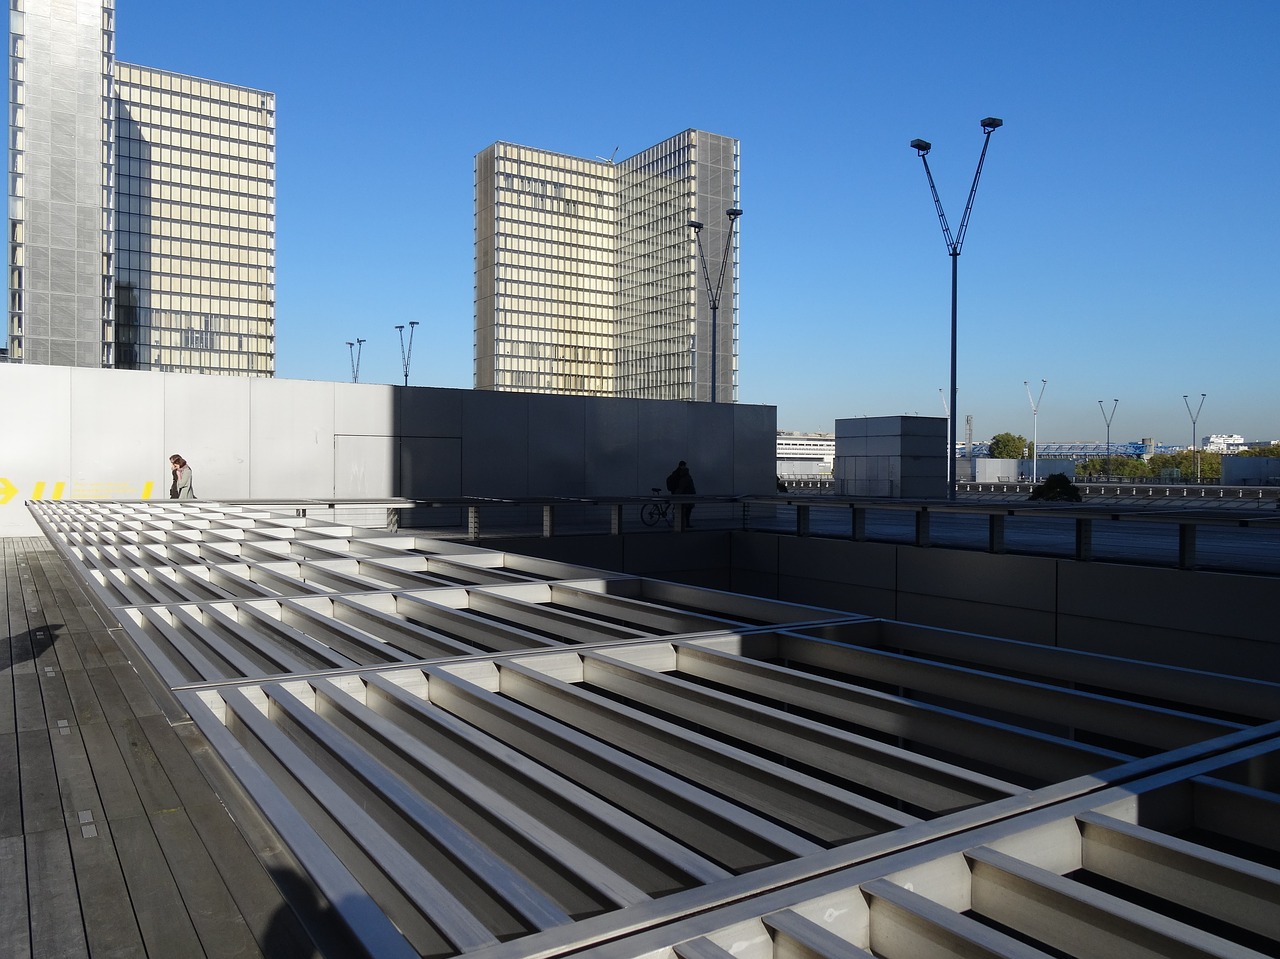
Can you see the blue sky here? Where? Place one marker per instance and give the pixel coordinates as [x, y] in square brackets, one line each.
[1123, 243]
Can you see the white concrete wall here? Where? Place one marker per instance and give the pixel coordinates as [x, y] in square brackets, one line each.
[987, 470]
[107, 434]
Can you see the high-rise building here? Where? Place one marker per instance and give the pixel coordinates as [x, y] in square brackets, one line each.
[141, 205]
[589, 278]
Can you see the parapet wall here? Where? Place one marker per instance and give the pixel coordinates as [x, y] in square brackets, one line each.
[1220, 622]
[107, 434]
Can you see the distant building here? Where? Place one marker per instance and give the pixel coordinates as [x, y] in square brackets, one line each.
[1223, 443]
[142, 205]
[805, 454]
[587, 273]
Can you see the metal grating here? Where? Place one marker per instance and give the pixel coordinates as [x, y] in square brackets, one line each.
[563, 759]
[1181, 863]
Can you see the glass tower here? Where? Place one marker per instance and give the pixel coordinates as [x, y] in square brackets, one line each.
[60, 182]
[141, 205]
[195, 224]
[588, 278]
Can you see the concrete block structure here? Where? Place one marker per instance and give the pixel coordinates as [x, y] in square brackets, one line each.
[897, 456]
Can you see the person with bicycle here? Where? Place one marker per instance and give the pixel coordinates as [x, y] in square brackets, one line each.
[680, 483]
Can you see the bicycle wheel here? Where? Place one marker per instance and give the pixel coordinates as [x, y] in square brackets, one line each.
[651, 513]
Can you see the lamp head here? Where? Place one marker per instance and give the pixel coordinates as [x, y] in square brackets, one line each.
[921, 146]
[695, 225]
[400, 327]
[413, 323]
[733, 214]
[991, 123]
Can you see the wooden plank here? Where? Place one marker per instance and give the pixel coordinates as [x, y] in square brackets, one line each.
[87, 651]
[28, 703]
[83, 694]
[105, 898]
[162, 916]
[140, 699]
[41, 804]
[15, 931]
[115, 787]
[10, 789]
[77, 788]
[53, 691]
[217, 919]
[112, 654]
[57, 926]
[112, 702]
[73, 604]
[7, 717]
[154, 789]
[248, 853]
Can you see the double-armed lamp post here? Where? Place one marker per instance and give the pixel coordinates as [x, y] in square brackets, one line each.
[1195, 449]
[1035, 439]
[406, 355]
[1107, 418]
[355, 349]
[922, 148]
[713, 292]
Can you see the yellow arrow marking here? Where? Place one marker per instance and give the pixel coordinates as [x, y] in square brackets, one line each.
[146, 489]
[7, 490]
[38, 492]
[58, 489]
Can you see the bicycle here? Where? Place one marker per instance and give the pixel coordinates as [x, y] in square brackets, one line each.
[651, 514]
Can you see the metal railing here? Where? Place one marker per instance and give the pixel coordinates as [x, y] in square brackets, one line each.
[1186, 532]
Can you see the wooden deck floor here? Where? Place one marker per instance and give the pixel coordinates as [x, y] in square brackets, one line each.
[115, 834]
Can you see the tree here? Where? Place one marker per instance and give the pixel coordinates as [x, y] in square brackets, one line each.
[1130, 467]
[1273, 450]
[1007, 446]
[1185, 462]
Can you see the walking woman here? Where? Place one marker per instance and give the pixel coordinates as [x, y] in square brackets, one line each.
[181, 477]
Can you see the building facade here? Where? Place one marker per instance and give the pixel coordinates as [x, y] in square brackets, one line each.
[589, 277]
[142, 206]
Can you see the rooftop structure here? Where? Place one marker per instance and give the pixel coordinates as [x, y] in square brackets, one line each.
[439, 749]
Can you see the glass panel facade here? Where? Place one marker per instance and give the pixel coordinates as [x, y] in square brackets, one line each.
[195, 224]
[141, 202]
[60, 296]
[587, 278]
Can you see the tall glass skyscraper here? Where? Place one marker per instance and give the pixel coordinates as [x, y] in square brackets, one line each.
[588, 278]
[141, 205]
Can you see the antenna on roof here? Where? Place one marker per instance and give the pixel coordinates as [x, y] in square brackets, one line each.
[609, 159]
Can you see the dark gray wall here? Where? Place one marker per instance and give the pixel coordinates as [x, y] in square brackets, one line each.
[1213, 621]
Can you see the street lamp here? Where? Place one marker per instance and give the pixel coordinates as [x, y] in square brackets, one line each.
[1035, 411]
[1195, 450]
[922, 148]
[713, 292]
[355, 349]
[406, 355]
[1107, 419]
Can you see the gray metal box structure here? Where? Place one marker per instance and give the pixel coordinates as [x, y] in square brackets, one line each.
[897, 456]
